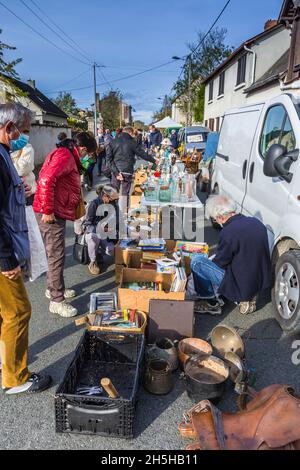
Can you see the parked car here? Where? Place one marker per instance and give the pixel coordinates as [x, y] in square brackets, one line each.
[258, 165]
[191, 138]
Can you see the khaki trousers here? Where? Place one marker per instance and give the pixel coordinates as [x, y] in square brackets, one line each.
[15, 313]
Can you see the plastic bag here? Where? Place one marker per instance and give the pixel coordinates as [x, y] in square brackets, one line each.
[38, 260]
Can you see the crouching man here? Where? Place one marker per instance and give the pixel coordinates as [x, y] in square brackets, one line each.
[241, 268]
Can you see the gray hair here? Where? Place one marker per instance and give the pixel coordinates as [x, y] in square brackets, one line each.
[15, 113]
[220, 205]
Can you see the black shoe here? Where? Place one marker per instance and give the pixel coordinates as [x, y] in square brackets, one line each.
[203, 306]
[36, 383]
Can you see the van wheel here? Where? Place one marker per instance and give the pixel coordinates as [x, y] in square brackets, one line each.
[286, 291]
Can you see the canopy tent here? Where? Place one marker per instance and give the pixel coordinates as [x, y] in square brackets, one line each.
[167, 123]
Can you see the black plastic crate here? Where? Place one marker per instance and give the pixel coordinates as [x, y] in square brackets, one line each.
[99, 355]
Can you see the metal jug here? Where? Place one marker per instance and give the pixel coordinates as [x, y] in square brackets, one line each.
[158, 377]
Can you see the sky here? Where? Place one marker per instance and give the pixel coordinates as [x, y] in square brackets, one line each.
[125, 36]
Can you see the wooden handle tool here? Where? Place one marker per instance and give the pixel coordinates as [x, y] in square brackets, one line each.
[109, 388]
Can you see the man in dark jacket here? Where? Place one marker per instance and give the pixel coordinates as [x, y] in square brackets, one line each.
[121, 156]
[15, 308]
[155, 137]
[241, 268]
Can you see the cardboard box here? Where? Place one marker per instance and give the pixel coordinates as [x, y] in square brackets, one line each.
[118, 273]
[129, 298]
[135, 201]
[123, 256]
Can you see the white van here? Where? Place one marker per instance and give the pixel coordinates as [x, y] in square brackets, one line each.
[257, 165]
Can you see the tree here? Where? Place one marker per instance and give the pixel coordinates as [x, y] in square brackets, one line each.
[211, 53]
[67, 103]
[111, 109]
[7, 71]
[165, 110]
[140, 125]
[199, 105]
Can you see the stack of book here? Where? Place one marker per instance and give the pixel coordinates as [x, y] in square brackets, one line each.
[180, 281]
[153, 245]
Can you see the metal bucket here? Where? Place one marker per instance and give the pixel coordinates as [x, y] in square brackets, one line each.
[205, 379]
[158, 377]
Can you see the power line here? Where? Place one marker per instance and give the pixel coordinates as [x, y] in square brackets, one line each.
[119, 79]
[41, 35]
[201, 42]
[72, 80]
[100, 72]
[58, 27]
[52, 30]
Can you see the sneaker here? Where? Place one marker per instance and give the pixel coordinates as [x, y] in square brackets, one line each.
[69, 294]
[203, 306]
[94, 268]
[246, 308]
[63, 309]
[36, 383]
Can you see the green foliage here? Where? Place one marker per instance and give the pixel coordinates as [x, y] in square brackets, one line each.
[212, 52]
[140, 125]
[7, 71]
[111, 109]
[199, 104]
[165, 110]
[78, 125]
[66, 103]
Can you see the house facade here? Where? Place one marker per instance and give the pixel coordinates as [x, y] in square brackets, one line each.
[49, 120]
[247, 76]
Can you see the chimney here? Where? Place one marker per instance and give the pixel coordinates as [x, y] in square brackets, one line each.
[31, 83]
[270, 24]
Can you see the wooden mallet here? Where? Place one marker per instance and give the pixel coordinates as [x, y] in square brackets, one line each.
[109, 388]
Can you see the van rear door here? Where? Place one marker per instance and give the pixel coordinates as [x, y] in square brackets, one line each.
[234, 150]
[267, 198]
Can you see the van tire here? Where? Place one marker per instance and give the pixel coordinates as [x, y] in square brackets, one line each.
[291, 260]
[282, 247]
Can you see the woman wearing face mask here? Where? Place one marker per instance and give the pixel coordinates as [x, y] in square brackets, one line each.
[23, 160]
[56, 199]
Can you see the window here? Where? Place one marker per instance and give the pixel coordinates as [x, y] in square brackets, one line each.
[217, 124]
[241, 73]
[211, 91]
[206, 123]
[277, 130]
[211, 124]
[222, 83]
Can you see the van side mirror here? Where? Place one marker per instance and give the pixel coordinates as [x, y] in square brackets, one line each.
[278, 162]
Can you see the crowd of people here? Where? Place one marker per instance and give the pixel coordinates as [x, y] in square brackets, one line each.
[239, 272]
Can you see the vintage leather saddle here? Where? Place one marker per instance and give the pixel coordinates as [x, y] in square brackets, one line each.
[271, 421]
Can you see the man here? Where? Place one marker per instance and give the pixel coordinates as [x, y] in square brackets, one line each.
[15, 308]
[106, 195]
[241, 268]
[155, 137]
[107, 137]
[174, 139]
[56, 199]
[120, 156]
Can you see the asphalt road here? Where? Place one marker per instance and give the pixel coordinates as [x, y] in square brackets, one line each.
[28, 422]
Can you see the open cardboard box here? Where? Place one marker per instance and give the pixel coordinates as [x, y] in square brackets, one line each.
[140, 300]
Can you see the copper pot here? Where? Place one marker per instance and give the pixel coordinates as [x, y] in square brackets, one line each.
[193, 347]
[158, 377]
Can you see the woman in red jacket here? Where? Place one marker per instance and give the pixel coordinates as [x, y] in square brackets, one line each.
[55, 202]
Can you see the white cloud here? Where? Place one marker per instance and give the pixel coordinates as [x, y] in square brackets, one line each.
[145, 116]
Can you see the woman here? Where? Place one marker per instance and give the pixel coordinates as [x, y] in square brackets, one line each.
[57, 197]
[23, 160]
[106, 195]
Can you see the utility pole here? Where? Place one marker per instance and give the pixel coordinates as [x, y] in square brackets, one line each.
[190, 92]
[95, 106]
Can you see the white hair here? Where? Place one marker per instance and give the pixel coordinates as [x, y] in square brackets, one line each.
[220, 205]
[15, 113]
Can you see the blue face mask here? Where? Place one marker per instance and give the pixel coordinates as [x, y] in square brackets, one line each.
[20, 143]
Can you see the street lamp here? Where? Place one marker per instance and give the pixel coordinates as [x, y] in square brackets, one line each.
[188, 59]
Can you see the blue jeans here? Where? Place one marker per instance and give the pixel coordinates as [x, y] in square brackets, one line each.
[207, 277]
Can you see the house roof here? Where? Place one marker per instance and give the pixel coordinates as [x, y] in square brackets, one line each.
[272, 74]
[240, 49]
[39, 99]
